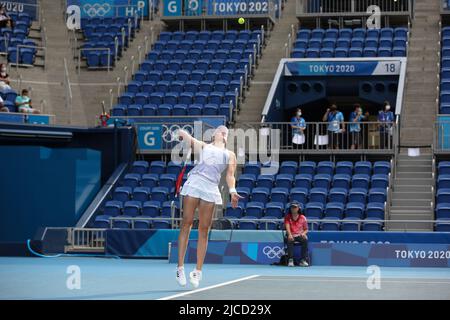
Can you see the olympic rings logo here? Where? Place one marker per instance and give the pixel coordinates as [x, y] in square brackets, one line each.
[169, 135]
[273, 252]
[97, 9]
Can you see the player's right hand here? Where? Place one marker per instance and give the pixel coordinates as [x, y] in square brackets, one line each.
[235, 197]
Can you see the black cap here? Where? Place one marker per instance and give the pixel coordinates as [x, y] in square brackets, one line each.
[295, 204]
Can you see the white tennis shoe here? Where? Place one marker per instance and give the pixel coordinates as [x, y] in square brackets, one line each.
[181, 276]
[195, 277]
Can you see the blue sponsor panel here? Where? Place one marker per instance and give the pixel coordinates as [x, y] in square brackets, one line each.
[342, 68]
[111, 8]
[443, 133]
[172, 8]
[23, 6]
[24, 118]
[193, 7]
[239, 7]
[264, 247]
[149, 136]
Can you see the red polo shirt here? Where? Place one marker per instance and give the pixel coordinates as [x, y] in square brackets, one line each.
[297, 226]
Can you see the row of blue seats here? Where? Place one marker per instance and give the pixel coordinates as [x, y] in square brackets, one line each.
[324, 167]
[100, 59]
[153, 76]
[352, 52]
[307, 181]
[319, 195]
[173, 98]
[350, 33]
[143, 194]
[210, 35]
[134, 208]
[91, 32]
[20, 32]
[361, 43]
[202, 64]
[103, 222]
[196, 55]
[151, 110]
[21, 17]
[205, 45]
[181, 86]
[122, 20]
[444, 105]
[337, 210]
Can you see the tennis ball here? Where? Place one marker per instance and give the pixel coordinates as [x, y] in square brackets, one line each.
[241, 20]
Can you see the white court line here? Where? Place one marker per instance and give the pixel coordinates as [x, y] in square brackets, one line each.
[209, 288]
[353, 280]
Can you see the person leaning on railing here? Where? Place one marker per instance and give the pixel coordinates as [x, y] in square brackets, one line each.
[356, 117]
[336, 126]
[386, 119]
[298, 125]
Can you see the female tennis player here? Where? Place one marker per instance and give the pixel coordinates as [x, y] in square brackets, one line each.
[201, 191]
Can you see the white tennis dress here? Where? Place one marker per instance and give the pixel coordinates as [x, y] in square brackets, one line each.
[203, 180]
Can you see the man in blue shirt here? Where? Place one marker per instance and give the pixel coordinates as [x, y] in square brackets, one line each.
[356, 117]
[386, 119]
[336, 126]
[298, 125]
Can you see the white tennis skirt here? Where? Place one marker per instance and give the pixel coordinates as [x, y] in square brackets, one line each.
[198, 187]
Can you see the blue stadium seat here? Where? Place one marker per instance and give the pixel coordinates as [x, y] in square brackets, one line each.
[274, 209]
[279, 194]
[122, 194]
[150, 180]
[167, 180]
[231, 212]
[341, 53]
[252, 224]
[354, 210]
[151, 209]
[303, 180]
[350, 224]
[141, 194]
[299, 194]
[381, 167]
[252, 168]
[158, 167]
[372, 224]
[377, 195]
[254, 209]
[102, 222]
[260, 195]
[314, 210]
[363, 167]
[265, 181]
[357, 195]
[330, 226]
[341, 181]
[132, 208]
[322, 181]
[334, 210]
[442, 225]
[344, 167]
[139, 167]
[325, 167]
[375, 210]
[131, 180]
[444, 167]
[159, 194]
[307, 167]
[360, 181]
[246, 180]
[443, 195]
[381, 181]
[162, 224]
[284, 180]
[113, 208]
[245, 193]
[318, 195]
[338, 195]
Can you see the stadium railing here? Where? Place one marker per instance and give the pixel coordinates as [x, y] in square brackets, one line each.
[316, 135]
[351, 7]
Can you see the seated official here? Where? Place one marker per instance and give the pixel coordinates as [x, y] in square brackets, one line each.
[296, 231]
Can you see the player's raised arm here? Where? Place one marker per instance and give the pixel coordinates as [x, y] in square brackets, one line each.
[186, 136]
[231, 180]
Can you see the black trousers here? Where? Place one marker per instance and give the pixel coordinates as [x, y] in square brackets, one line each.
[290, 246]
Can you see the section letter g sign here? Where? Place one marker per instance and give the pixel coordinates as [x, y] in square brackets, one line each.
[172, 6]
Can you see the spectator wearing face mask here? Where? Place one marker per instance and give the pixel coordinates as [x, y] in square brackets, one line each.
[356, 117]
[386, 120]
[298, 125]
[4, 78]
[336, 126]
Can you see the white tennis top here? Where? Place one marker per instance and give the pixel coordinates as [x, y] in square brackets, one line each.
[213, 162]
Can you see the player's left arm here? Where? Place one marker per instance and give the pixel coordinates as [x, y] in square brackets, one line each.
[231, 179]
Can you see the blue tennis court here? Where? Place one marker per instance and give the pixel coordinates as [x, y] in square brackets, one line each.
[105, 279]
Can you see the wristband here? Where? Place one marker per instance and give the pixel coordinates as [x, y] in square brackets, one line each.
[233, 190]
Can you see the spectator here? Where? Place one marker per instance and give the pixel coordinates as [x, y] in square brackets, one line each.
[23, 103]
[298, 125]
[4, 78]
[386, 119]
[5, 19]
[296, 231]
[356, 117]
[335, 120]
[2, 106]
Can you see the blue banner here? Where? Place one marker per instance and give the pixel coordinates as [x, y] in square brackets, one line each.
[22, 6]
[443, 133]
[24, 118]
[155, 243]
[342, 68]
[193, 7]
[111, 8]
[172, 8]
[149, 136]
[238, 7]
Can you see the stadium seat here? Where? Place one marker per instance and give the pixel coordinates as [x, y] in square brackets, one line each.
[151, 209]
[375, 210]
[334, 210]
[354, 210]
[299, 194]
[314, 210]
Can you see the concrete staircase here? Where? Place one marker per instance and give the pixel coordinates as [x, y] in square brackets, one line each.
[264, 75]
[419, 108]
[412, 193]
